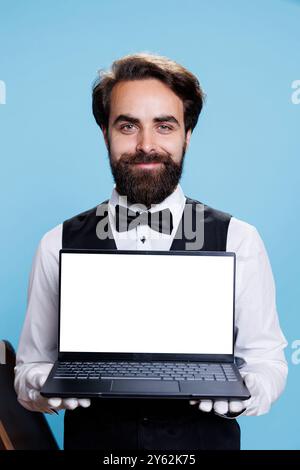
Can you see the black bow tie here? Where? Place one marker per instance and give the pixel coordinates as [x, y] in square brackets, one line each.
[161, 221]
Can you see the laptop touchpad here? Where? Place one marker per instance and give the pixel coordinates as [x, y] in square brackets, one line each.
[151, 386]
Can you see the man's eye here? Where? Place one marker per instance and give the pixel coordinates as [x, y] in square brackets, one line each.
[127, 126]
[167, 128]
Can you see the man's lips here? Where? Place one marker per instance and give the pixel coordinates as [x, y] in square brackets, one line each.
[148, 166]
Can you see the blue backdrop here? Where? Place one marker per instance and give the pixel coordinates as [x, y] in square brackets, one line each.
[244, 153]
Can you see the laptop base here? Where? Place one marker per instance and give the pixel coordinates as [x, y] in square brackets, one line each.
[144, 388]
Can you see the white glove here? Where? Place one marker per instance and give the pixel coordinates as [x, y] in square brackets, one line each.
[255, 405]
[34, 380]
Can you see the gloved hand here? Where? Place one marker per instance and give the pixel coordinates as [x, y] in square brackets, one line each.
[222, 407]
[35, 379]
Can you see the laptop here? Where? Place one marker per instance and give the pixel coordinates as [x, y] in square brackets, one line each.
[138, 324]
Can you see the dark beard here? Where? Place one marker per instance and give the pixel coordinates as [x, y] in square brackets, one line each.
[146, 186]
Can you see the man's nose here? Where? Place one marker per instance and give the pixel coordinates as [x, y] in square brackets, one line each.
[146, 142]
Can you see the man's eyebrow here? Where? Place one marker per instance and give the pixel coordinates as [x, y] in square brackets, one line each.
[134, 120]
[167, 118]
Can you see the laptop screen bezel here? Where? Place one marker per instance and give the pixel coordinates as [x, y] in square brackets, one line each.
[140, 357]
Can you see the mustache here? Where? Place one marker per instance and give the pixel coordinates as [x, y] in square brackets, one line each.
[144, 158]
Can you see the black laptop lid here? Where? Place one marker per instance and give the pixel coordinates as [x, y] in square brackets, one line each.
[154, 303]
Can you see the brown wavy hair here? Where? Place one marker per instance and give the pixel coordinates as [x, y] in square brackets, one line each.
[142, 66]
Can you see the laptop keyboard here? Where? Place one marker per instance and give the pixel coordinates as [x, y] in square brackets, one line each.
[145, 370]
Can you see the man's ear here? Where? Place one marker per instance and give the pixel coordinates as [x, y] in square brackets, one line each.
[105, 135]
[188, 137]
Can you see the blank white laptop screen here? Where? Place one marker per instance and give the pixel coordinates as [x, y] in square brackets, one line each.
[139, 303]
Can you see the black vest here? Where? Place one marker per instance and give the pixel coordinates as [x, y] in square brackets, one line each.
[80, 230]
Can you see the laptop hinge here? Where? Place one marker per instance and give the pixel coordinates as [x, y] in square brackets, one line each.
[144, 357]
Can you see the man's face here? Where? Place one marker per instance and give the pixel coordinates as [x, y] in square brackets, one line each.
[146, 140]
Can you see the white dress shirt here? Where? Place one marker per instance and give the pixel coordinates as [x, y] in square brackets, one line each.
[259, 341]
